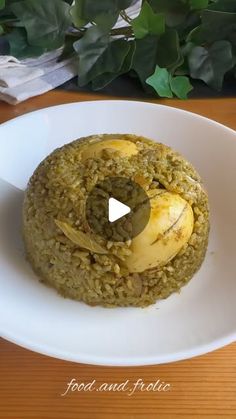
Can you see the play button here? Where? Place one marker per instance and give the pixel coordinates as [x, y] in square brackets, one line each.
[117, 209]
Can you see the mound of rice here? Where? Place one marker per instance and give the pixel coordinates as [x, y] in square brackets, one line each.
[56, 197]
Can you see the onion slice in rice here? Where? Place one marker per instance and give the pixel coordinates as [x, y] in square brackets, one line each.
[79, 238]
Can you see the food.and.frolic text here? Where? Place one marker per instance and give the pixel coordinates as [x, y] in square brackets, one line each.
[128, 387]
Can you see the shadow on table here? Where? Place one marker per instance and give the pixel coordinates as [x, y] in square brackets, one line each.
[131, 88]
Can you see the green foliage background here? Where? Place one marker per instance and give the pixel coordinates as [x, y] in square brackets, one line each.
[169, 42]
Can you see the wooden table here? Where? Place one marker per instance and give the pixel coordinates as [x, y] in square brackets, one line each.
[203, 387]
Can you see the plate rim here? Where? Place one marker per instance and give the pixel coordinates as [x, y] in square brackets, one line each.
[129, 101]
[122, 362]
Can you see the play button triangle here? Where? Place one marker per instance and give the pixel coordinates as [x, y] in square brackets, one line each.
[117, 210]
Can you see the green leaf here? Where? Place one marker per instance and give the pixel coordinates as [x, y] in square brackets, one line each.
[198, 4]
[110, 61]
[160, 82]
[191, 21]
[146, 47]
[19, 46]
[215, 26]
[210, 65]
[1, 30]
[124, 4]
[99, 54]
[183, 69]
[168, 54]
[175, 10]
[165, 84]
[104, 79]
[9, 2]
[148, 22]
[180, 86]
[45, 21]
[2, 4]
[85, 11]
[224, 6]
[90, 48]
[232, 40]
[5, 12]
[106, 20]
[76, 12]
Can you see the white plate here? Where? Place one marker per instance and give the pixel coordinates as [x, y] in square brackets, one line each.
[199, 319]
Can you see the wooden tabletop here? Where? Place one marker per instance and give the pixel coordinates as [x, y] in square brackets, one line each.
[31, 384]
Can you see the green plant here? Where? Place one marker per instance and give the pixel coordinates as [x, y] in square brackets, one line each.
[168, 43]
